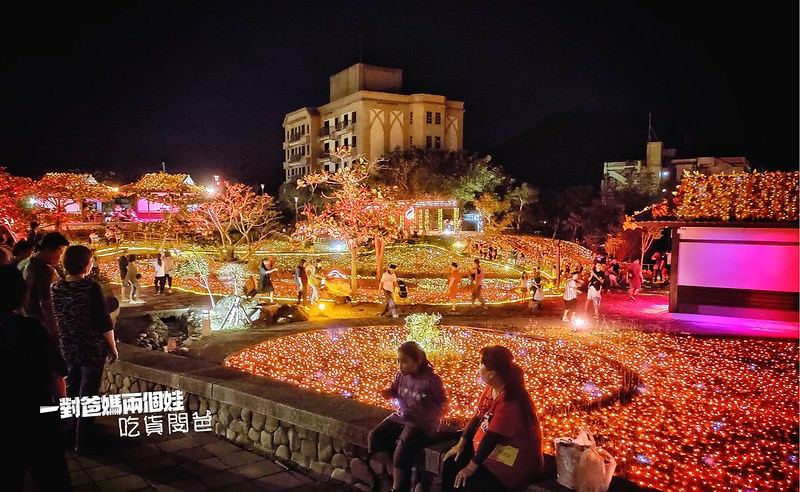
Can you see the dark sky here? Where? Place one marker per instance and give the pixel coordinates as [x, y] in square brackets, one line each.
[204, 86]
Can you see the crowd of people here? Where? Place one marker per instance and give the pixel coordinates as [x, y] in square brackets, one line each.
[58, 335]
[500, 449]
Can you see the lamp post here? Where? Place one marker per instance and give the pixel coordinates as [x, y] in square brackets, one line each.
[295, 210]
[262, 188]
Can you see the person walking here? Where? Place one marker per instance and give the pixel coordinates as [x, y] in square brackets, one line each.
[160, 274]
[570, 297]
[476, 277]
[169, 266]
[122, 261]
[301, 281]
[132, 278]
[388, 284]
[313, 281]
[40, 273]
[597, 277]
[86, 334]
[453, 280]
[536, 290]
[635, 278]
[265, 271]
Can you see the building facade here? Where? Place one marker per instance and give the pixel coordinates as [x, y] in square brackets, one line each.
[368, 115]
[661, 171]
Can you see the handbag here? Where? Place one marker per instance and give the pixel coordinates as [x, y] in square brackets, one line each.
[595, 470]
[568, 456]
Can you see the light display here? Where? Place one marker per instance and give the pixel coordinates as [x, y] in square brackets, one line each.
[706, 413]
[770, 196]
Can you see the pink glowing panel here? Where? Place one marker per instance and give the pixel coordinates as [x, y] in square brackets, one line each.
[739, 258]
[146, 206]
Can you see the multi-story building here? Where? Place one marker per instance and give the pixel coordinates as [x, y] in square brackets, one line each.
[661, 170]
[368, 115]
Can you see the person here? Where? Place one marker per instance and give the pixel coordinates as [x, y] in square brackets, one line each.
[265, 271]
[132, 279]
[301, 281]
[524, 281]
[477, 284]
[169, 266]
[387, 286]
[501, 447]
[613, 273]
[452, 284]
[536, 290]
[34, 236]
[421, 400]
[597, 277]
[160, 274]
[313, 280]
[30, 355]
[21, 251]
[40, 273]
[86, 333]
[122, 261]
[635, 278]
[658, 265]
[570, 297]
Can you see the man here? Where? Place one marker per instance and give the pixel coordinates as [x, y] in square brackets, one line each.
[596, 279]
[22, 250]
[388, 284]
[33, 235]
[476, 277]
[40, 273]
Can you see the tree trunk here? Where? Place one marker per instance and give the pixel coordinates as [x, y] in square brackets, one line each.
[555, 228]
[519, 217]
[380, 246]
[208, 289]
[353, 246]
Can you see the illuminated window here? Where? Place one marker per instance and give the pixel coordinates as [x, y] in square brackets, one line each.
[438, 118]
[428, 142]
[428, 117]
[438, 143]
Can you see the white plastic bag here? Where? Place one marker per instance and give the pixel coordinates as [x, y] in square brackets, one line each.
[568, 456]
[595, 470]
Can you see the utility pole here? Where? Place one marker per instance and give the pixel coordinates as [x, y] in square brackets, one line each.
[163, 167]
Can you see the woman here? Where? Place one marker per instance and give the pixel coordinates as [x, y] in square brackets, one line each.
[536, 290]
[265, 271]
[160, 273]
[132, 279]
[169, 266]
[635, 278]
[301, 281]
[501, 448]
[86, 333]
[452, 284]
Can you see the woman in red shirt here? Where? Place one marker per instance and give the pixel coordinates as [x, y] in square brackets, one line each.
[505, 450]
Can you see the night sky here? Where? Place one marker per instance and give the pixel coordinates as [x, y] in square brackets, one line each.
[205, 86]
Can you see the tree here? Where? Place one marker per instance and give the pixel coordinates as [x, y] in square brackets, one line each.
[524, 194]
[195, 267]
[57, 191]
[14, 190]
[479, 178]
[354, 213]
[239, 217]
[494, 212]
[649, 233]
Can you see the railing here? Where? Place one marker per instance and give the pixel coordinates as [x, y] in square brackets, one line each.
[325, 131]
[295, 137]
[295, 158]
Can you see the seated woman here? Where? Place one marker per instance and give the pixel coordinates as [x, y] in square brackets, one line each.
[501, 448]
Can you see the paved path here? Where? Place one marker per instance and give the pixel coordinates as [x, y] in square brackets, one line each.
[186, 462]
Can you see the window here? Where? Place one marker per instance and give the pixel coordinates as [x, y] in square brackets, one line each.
[411, 118]
[327, 146]
[428, 142]
[327, 123]
[438, 144]
[354, 139]
[410, 141]
[346, 142]
[429, 117]
[345, 119]
[438, 118]
[353, 118]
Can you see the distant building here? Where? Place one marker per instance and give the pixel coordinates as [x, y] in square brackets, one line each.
[368, 115]
[661, 170]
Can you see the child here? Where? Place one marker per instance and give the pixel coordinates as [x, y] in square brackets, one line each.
[570, 297]
[421, 400]
[452, 284]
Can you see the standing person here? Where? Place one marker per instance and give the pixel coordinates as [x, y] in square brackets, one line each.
[501, 447]
[313, 281]
[387, 285]
[301, 281]
[536, 290]
[452, 284]
[421, 401]
[613, 273]
[34, 236]
[570, 296]
[169, 266]
[658, 265]
[122, 261]
[132, 278]
[21, 251]
[265, 271]
[597, 277]
[635, 278]
[477, 284]
[30, 356]
[86, 333]
[40, 273]
[524, 282]
[160, 274]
